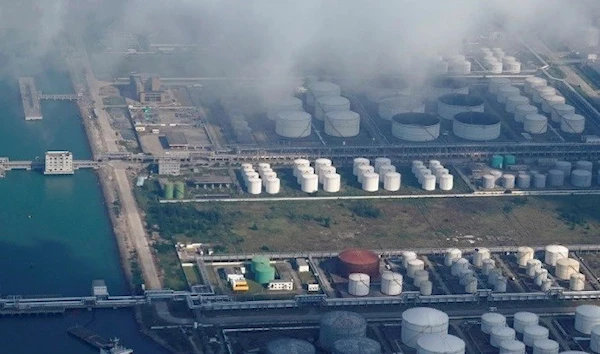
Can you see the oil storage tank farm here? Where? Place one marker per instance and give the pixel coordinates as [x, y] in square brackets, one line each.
[440, 344]
[293, 124]
[453, 104]
[416, 127]
[319, 89]
[342, 124]
[327, 104]
[419, 321]
[476, 126]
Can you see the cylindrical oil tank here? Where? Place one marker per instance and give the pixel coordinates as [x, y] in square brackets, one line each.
[300, 163]
[357, 162]
[441, 86]
[407, 256]
[179, 190]
[501, 334]
[490, 320]
[327, 104]
[523, 110]
[581, 178]
[556, 178]
[512, 101]
[546, 285]
[415, 164]
[489, 181]
[564, 166]
[586, 317]
[535, 124]
[391, 283]
[572, 123]
[370, 182]
[494, 66]
[266, 175]
[273, 185]
[461, 67]
[440, 171]
[289, 345]
[500, 284]
[505, 91]
[523, 319]
[508, 181]
[342, 124]
[428, 183]
[324, 171]
[451, 256]
[471, 285]
[420, 276]
[465, 275]
[545, 346]
[577, 282]
[540, 276]
[560, 110]
[319, 89]
[532, 266]
[332, 183]
[573, 352]
[392, 181]
[512, 67]
[532, 333]
[548, 101]
[539, 92]
[293, 124]
[533, 82]
[382, 88]
[356, 346]
[446, 182]
[497, 82]
[497, 174]
[168, 190]
[539, 180]
[340, 325]
[440, 344]
[363, 170]
[488, 265]
[595, 339]
[320, 163]
[385, 169]
[381, 161]
[416, 127]
[458, 266]
[565, 267]
[426, 288]
[512, 347]
[584, 165]
[390, 107]
[256, 260]
[412, 267]
[523, 180]
[359, 261]
[479, 255]
[264, 273]
[303, 171]
[476, 126]
[254, 185]
[358, 284]
[286, 104]
[250, 174]
[418, 321]
[453, 104]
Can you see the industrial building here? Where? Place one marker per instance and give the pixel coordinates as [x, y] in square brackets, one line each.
[167, 167]
[147, 89]
[58, 163]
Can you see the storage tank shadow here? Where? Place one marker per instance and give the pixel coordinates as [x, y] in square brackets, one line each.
[416, 127]
[476, 126]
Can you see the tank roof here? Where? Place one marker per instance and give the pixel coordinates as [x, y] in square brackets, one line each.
[290, 346]
[449, 82]
[588, 311]
[342, 115]
[343, 319]
[358, 256]
[434, 342]
[424, 316]
[293, 115]
[477, 118]
[420, 119]
[460, 99]
[357, 345]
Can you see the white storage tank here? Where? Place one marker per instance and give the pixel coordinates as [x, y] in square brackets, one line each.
[508, 181]
[452, 255]
[342, 124]
[539, 180]
[287, 104]
[560, 110]
[406, 257]
[382, 88]
[302, 171]
[358, 284]
[441, 86]
[267, 175]
[357, 162]
[389, 107]
[548, 101]
[512, 347]
[577, 282]
[564, 166]
[446, 182]
[391, 283]
[539, 92]
[392, 181]
[476, 126]
[535, 124]
[581, 178]
[556, 178]
[505, 91]
[254, 185]
[553, 253]
[273, 185]
[524, 319]
[488, 265]
[494, 66]
[324, 171]
[489, 181]
[501, 334]
[572, 123]
[524, 254]
[300, 163]
[540, 276]
[533, 333]
[565, 267]
[595, 339]
[416, 127]
[532, 266]
[459, 266]
[320, 163]
[327, 104]
[426, 288]
[440, 344]
[370, 182]
[332, 183]
[479, 255]
[500, 284]
[497, 82]
[523, 180]
[421, 275]
[381, 161]
[512, 67]
[362, 171]
[414, 265]
[584, 165]
[490, 320]
[415, 164]
[523, 110]
[545, 346]
[418, 321]
[319, 89]
[293, 124]
[586, 317]
[533, 82]
[428, 183]
[310, 183]
[512, 101]
[440, 171]
[453, 104]
[385, 169]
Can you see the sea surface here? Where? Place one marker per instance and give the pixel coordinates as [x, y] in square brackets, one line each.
[55, 235]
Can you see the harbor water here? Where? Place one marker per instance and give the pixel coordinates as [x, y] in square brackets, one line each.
[56, 237]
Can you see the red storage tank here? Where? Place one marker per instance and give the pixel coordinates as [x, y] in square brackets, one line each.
[359, 261]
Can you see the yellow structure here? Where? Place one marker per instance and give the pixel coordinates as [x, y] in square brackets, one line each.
[239, 285]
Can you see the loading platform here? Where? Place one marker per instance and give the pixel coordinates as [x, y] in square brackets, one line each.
[90, 337]
[30, 98]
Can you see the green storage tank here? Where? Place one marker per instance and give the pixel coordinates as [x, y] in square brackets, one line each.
[179, 190]
[168, 190]
[497, 161]
[256, 260]
[509, 160]
[264, 274]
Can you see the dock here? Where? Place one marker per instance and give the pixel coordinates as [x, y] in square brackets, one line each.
[90, 337]
[30, 98]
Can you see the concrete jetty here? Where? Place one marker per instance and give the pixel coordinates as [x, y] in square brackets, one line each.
[30, 99]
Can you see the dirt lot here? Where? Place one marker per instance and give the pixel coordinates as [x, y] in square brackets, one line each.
[289, 226]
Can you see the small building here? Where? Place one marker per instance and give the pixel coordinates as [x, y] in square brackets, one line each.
[99, 288]
[239, 285]
[147, 89]
[58, 163]
[281, 285]
[167, 167]
[313, 287]
[302, 265]
[176, 140]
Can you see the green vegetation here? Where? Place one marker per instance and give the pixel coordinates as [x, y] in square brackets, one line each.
[174, 277]
[365, 209]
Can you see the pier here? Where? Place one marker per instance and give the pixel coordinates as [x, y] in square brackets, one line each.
[58, 97]
[90, 337]
[30, 99]
[8, 165]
